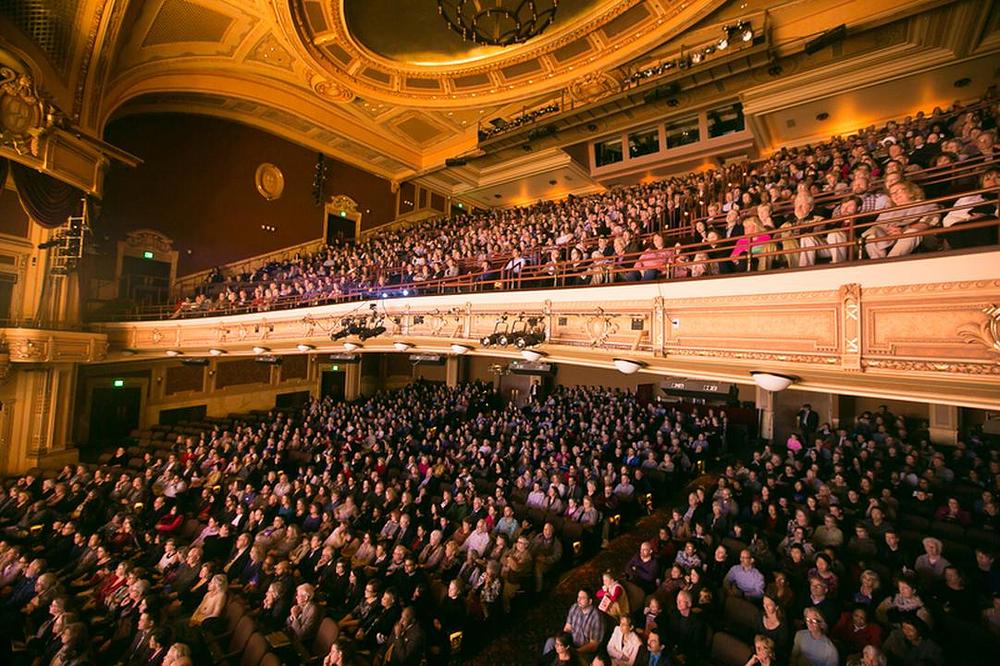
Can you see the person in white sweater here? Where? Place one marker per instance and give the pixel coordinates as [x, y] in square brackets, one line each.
[624, 644]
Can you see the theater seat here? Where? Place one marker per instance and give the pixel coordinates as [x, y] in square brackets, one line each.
[254, 651]
[727, 650]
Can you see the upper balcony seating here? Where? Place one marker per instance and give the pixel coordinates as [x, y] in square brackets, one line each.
[790, 210]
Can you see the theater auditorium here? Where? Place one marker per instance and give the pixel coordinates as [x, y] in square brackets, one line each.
[499, 332]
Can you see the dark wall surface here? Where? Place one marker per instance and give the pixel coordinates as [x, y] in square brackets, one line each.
[196, 185]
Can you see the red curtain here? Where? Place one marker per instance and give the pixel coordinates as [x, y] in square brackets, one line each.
[48, 201]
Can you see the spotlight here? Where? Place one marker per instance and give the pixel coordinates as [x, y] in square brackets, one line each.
[406, 292]
[696, 58]
[723, 44]
[525, 340]
[339, 335]
[747, 34]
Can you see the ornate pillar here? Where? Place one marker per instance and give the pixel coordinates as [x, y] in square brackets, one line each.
[38, 419]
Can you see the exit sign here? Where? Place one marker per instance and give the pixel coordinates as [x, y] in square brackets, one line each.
[119, 383]
[147, 255]
[335, 368]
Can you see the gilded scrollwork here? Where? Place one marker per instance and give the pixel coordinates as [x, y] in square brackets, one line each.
[986, 332]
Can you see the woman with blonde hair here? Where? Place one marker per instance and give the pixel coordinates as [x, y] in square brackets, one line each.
[763, 652]
[213, 602]
[755, 241]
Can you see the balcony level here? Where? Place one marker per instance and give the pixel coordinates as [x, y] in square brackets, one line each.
[924, 327]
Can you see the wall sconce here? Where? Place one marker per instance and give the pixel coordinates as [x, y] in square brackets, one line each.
[304, 347]
[217, 352]
[402, 346]
[260, 350]
[351, 346]
[173, 353]
[460, 349]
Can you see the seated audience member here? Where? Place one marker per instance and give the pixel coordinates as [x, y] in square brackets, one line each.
[894, 234]
[584, 623]
[624, 644]
[811, 646]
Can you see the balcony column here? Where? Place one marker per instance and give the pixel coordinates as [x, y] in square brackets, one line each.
[943, 423]
[765, 409]
[454, 370]
[352, 381]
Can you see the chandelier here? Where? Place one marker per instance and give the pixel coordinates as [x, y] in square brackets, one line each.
[498, 22]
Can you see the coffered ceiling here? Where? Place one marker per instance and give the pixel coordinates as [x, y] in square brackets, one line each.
[386, 85]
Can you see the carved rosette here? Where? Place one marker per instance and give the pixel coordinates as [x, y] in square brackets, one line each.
[331, 90]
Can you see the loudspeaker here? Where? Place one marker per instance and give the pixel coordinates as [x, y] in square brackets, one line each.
[456, 162]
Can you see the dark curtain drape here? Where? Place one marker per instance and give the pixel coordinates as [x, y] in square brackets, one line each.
[4, 168]
[48, 201]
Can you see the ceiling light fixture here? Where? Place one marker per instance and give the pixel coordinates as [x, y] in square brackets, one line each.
[498, 22]
[531, 355]
[402, 346]
[770, 381]
[304, 347]
[257, 349]
[627, 367]
[217, 352]
[460, 349]
[351, 346]
[173, 352]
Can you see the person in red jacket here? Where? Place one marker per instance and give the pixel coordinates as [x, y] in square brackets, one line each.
[854, 630]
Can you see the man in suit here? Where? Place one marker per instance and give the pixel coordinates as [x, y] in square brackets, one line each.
[159, 643]
[138, 652]
[239, 557]
[304, 616]
[652, 653]
[807, 421]
[407, 645]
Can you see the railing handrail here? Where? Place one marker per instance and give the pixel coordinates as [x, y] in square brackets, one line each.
[680, 255]
[958, 171]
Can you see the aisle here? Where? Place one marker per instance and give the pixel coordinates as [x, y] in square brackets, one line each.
[519, 642]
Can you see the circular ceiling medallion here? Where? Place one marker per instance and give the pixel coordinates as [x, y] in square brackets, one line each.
[270, 181]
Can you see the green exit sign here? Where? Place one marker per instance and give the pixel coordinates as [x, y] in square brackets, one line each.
[335, 368]
[147, 255]
[119, 383]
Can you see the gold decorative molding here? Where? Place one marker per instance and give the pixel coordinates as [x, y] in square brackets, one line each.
[985, 333]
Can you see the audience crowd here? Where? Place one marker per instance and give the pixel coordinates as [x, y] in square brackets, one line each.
[388, 529]
[704, 223]
[861, 545]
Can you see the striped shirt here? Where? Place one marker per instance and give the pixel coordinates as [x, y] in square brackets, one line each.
[587, 624]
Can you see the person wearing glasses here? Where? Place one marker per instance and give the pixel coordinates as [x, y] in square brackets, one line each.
[812, 647]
